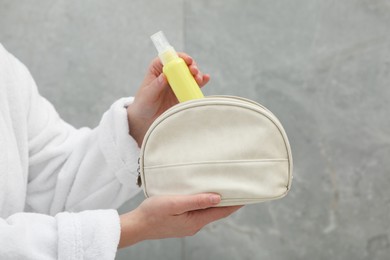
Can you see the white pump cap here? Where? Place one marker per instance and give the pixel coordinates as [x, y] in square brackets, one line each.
[165, 51]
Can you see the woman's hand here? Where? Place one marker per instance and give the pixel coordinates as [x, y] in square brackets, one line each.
[171, 216]
[155, 96]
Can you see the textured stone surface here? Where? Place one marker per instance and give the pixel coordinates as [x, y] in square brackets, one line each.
[323, 67]
[85, 54]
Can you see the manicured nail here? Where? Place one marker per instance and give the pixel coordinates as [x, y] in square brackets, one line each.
[215, 199]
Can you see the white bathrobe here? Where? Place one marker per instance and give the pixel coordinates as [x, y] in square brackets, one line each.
[51, 172]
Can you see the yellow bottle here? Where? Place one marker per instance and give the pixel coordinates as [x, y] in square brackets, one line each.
[176, 70]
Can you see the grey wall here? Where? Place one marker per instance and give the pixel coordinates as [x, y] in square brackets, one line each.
[323, 67]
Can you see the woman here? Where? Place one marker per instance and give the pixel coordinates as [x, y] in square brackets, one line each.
[58, 184]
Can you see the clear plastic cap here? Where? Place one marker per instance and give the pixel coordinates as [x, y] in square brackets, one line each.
[165, 51]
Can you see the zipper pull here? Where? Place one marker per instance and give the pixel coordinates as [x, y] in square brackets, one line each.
[139, 180]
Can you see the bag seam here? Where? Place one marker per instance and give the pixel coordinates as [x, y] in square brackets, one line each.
[214, 162]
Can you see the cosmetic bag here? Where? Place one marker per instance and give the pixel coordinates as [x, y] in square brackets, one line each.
[227, 145]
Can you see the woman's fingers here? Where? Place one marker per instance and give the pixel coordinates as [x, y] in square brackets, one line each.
[187, 58]
[200, 78]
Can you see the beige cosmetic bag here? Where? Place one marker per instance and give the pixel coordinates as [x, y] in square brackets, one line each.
[226, 145]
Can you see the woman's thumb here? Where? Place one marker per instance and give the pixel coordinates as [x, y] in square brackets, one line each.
[198, 201]
[158, 85]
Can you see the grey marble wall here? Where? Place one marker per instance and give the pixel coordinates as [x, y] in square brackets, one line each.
[323, 67]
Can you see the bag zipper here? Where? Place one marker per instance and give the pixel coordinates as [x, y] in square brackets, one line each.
[139, 180]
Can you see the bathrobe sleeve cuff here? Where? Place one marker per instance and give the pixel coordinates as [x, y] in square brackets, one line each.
[120, 149]
[88, 234]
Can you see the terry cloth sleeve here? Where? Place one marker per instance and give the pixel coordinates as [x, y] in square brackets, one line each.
[76, 169]
[86, 235]
[70, 170]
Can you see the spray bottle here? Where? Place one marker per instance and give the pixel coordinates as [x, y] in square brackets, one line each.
[176, 70]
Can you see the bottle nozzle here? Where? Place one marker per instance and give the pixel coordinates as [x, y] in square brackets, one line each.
[165, 51]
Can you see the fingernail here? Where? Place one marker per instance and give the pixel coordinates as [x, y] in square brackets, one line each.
[215, 199]
[160, 79]
[199, 78]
